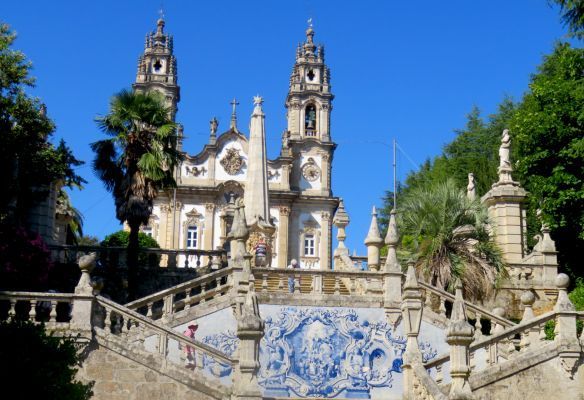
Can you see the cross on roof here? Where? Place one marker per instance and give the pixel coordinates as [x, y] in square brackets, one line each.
[234, 103]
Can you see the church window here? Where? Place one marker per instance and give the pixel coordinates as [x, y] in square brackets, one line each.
[147, 230]
[310, 75]
[310, 120]
[309, 245]
[192, 236]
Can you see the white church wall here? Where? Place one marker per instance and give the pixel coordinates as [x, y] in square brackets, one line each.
[308, 222]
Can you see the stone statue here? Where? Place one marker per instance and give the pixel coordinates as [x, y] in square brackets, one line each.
[213, 125]
[471, 192]
[504, 150]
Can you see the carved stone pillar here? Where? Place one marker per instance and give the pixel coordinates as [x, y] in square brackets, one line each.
[283, 237]
[163, 232]
[459, 336]
[209, 229]
[81, 316]
[325, 242]
[326, 175]
[175, 219]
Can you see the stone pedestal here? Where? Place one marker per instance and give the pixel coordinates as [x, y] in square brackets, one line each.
[505, 204]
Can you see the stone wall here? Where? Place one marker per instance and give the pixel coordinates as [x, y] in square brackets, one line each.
[119, 378]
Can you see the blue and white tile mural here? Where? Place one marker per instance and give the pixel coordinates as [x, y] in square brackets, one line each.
[327, 352]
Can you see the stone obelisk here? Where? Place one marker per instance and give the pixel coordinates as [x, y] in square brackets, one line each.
[256, 196]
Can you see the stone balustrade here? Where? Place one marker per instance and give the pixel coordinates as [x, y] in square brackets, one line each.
[111, 318]
[52, 309]
[506, 345]
[436, 299]
[184, 296]
[306, 281]
[149, 257]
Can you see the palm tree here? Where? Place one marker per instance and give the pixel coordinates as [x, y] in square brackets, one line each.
[448, 234]
[137, 161]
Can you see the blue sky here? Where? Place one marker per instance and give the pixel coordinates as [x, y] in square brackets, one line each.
[409, 70]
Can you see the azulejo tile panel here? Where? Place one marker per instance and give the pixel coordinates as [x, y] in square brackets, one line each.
[315, 352]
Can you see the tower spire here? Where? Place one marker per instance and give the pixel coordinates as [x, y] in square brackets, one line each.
[256, 198]
[157, 68]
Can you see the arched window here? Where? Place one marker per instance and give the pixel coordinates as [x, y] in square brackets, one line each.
[310, 120]
[192, 237]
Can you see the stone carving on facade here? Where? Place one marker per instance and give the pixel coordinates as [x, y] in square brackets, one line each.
[310, 171]
[196, 171]
[254, 238]
[273, 174]
[232, 161]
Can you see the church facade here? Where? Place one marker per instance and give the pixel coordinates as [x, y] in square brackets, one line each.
[294, 189]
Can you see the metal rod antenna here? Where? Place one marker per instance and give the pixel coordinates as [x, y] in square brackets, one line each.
[394, 175]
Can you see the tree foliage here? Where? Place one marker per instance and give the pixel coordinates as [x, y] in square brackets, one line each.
[136, 161]
[122, 238]
[29, 163]
[447, 234]
[40, 366]
[548, 132]
[572, 16]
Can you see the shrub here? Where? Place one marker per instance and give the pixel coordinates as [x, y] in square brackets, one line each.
[40, 366]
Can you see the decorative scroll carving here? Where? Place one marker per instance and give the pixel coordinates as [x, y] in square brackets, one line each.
[273, 174]
[196, 171]
[232, 162]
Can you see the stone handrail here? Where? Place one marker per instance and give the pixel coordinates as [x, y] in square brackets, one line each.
[153, 257]
[119, 320]
[423, 386]
[182, 297]
[321, 281]
[505, 345]
[53, 309]
[437, 303]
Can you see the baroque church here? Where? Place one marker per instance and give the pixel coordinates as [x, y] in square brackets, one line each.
[289, 198]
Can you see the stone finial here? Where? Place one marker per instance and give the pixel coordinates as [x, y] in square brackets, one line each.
[411, 307]
[471, 191]
[86, 265]
[373, 241]
[239, 231]
[563, 303]
[341, 220]
[392, 240]
[527, 299]
[459, 336]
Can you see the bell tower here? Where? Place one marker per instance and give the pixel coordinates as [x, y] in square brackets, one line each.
[309, 97]
[157, 67]
[309, 105]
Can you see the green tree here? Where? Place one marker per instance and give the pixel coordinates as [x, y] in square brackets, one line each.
[447, 234]
[572, 16]
[40, 366]
[137, 161]
[29, 163]
[548, 132]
